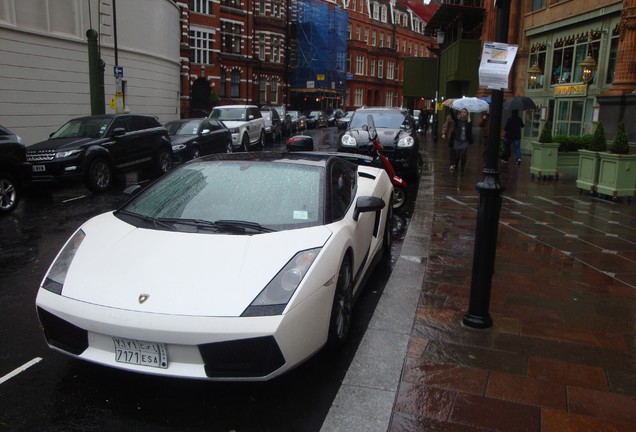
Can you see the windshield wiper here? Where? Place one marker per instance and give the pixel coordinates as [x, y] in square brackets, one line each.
[156, 222]
[243, 224]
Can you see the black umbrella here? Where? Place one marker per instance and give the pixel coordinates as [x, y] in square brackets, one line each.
[519, 103]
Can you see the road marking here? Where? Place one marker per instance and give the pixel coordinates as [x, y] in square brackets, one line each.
[516, 201]
[74, 199]
[549, 200]
[19, 370]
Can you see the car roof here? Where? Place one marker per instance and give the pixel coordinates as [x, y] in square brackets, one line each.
[235, 106]
[317, 159]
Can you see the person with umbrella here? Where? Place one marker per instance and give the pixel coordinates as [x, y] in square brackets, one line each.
[463, 138]
[512, 136]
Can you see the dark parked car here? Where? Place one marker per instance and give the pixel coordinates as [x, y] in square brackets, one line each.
[397, 133]
[343, 122]
[273, 125]
[299, 121]
[14, 170]
[192, 138]
[95, 148]
[316, 119]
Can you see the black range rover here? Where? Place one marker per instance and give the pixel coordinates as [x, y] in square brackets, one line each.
[94, 148]
[14, 170]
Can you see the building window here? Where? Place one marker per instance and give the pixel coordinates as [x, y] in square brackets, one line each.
[273, 92]
[222, 84]
[349, 31]
[262, 91]
[275, 50]
[538, 54]
[236, 84]
[236, 4]
[201, 46]
[380, 68]
[372, 71]
[366, 36]
[231, 37]
[201, 6]
[388, 41]
[388, 101]
[568, 54]
[611, 61]
[374, 37]
[383, 14]
[359, 65]
[261, 47]
[261, 7]
[358, 100]
[381, 40]
[376, 11]
[358, 33]
[536, 5]
[390, 69]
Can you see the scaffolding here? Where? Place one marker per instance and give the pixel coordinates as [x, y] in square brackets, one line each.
[318, 54]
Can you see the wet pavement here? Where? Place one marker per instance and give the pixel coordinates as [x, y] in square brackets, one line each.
[561, 353]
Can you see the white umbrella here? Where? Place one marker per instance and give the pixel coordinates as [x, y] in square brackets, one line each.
[472, 104]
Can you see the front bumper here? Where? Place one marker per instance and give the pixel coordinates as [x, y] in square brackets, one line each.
[200, 347]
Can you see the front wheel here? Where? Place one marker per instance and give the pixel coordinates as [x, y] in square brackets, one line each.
[340, 322]
[99, 177]
[245, 143]
[9, 193]
[399, 196]
[195, 152]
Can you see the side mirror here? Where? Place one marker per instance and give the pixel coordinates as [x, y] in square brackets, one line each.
[132, 190]
[250, 117]
[119, 131]
[366, 204]
[205, 131]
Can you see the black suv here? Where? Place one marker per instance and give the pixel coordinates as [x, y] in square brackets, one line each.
[397, 134]
[94, 148]
[14, 170]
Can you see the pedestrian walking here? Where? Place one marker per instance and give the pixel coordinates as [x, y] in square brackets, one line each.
[512, 136]
[463, 138]
[424, 121]
[448, 130]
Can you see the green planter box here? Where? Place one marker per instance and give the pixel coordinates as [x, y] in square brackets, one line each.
[568, 164]
[587, 178]
[617, 175]
[544, 159]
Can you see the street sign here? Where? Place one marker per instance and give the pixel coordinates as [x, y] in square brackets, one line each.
[118, 71]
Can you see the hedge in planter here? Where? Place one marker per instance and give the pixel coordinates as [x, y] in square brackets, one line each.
[587, 177]
[617, 170]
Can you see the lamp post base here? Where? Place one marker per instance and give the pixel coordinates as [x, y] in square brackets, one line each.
[478, 322]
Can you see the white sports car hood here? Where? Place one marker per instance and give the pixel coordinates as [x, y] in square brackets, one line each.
[181, 273]
[233, 123]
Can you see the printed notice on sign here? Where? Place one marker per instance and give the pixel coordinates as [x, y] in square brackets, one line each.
[496, 61]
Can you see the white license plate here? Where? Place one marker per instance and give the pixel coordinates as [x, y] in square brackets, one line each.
[140, 353]
[39, 168]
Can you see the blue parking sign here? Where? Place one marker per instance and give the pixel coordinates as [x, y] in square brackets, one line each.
[118, 71]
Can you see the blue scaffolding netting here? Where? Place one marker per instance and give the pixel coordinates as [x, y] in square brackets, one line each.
[319, 46]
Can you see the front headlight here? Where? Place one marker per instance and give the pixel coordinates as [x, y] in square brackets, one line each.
[407, 141]
[54, 280]
[234, 130]
[273, 299]
[67, 153]
[178, 147]
[348, 141]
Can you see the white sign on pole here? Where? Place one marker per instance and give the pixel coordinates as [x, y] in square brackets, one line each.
[496, 61]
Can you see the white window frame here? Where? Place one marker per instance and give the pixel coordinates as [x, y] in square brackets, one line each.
[201, 45]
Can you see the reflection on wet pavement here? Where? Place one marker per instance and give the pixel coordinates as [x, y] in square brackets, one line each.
[560, 355]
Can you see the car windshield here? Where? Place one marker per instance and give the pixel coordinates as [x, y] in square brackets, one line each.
[314, 114]
[275, 196]
[267, 115]
[183, 128]
[382, 119]
[280, 111]
[84, 128]
[230, 113]
[293, 114]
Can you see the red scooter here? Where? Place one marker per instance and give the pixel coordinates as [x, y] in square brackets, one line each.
[399, 184]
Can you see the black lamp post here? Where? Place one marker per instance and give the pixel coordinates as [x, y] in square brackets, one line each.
[490, 191]
[440, 35]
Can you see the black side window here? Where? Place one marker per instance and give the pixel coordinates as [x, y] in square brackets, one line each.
[123, 122]
[213, 125]
[342, 190]
[139, 123]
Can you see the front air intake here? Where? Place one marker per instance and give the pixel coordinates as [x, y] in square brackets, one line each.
[256, 357]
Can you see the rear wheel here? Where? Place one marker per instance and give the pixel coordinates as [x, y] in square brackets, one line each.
[164, 161]
[261, 140]
[99, 176]
[399, 196]
[340, 322]
[9, 193]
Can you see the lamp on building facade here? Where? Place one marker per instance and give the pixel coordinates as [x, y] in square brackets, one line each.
[588, 67]
[533, 75]
[440, 36]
